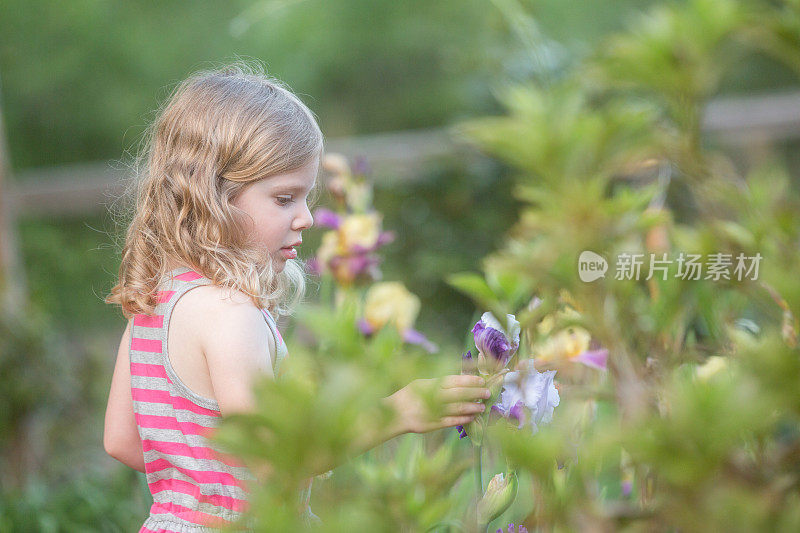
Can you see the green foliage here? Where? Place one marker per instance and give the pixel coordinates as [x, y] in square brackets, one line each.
[445, 221]
[37, 394]
[501, 292]
[679, 54]
[22, 355]
[414, 486]
[704, 452]
[91, 502]
[64, 259]
[90, 100]
[777, 30]
[435, 62]
[560, 136]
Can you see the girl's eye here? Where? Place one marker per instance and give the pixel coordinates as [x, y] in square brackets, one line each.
[284, 200]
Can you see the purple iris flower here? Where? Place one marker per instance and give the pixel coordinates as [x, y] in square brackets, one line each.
[627, 487]
[357, 266]
[514, 412]
[410, 336]
[468, 364]
[496, 341]
[314, 267]
[327, 218]
[520, 529]
[365, 328]
[528, 396]
[384, 237]
[594, 358]
[361, 166]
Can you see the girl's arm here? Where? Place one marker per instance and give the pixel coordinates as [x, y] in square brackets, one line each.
[235, 340]
[236, 343]
[455, 396]
[121, 436]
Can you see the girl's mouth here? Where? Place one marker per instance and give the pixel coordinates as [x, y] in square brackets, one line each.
[289, 252]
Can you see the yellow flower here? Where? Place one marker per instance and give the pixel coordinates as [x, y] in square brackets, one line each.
[360, 230]
[330, 247]
[567, 298]
[713, 366]
[567, 343]
[389, 302]
[336, 164]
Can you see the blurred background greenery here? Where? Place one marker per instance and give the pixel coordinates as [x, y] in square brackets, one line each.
[80, 80]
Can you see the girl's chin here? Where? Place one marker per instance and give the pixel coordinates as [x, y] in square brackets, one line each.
[279, 263]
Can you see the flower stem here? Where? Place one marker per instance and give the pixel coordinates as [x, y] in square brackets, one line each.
[478, 480]
[478, 471]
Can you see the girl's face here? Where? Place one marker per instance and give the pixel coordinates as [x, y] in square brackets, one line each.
[278, 211]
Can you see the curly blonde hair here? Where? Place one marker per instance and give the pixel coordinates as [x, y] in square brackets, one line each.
[218, 132]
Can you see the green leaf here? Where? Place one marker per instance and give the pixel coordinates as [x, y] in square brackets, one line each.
[474, 286]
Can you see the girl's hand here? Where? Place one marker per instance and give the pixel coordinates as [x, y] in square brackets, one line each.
[429, 404]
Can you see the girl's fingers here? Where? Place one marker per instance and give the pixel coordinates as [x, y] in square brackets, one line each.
[462, 394]
[466, 408]
[449, 421]
[462, 380]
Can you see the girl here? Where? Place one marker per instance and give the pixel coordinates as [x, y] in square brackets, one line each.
[208, 264]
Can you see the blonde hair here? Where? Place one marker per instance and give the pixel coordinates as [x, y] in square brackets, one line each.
[219, 131]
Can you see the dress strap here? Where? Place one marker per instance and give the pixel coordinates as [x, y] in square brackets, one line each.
[280, 346]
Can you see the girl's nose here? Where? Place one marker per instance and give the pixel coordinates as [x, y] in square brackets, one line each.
[305, 220]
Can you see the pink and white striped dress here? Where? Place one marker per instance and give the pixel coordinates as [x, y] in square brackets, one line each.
[195, 488]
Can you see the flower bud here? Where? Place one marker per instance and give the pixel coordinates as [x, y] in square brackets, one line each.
[468, 364]
[499, 496]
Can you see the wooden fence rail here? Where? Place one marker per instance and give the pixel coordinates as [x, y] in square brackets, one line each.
[86, 187]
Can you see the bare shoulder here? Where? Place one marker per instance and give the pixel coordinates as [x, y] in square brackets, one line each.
[210, 297]
[223, 312]
[235, 341]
